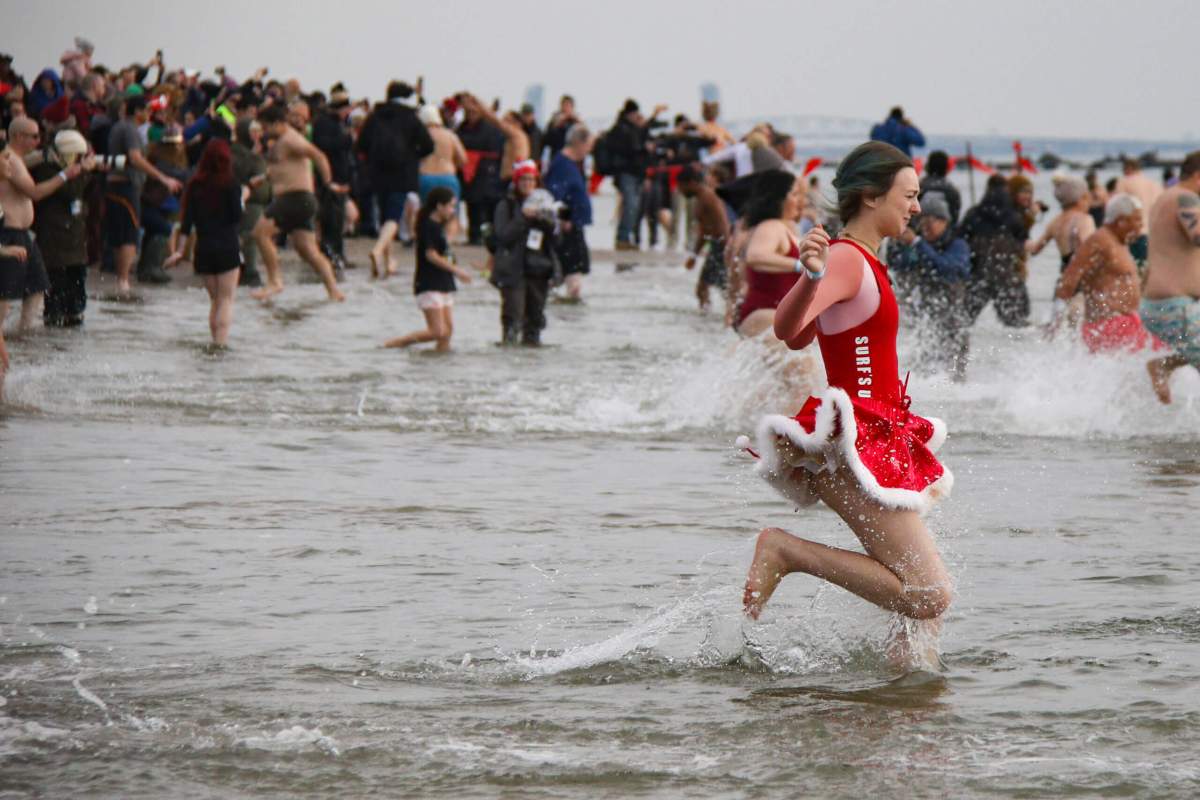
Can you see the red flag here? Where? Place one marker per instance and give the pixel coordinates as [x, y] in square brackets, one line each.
[919, 164]
[811, 165]
[594, 182]
[1027, 165]
[951, 162]
[979, 165]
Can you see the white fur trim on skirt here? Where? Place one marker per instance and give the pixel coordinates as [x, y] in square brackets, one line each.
[822, 451]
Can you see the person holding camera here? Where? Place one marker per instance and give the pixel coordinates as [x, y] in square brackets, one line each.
[525, 261]
[127, 171]
[931, 270]
[60, 225]
[897, 131]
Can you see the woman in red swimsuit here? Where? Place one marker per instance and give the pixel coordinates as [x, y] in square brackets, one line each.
[770, 214]
[856, 447]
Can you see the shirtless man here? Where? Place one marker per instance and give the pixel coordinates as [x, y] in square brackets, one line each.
[1073, 225]
[1103, 270]
[22, 273]
[713, 231]
[294, 209]
[441, 167]
[711, 129]
[1170, 306]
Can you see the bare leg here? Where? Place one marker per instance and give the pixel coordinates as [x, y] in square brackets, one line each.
[264, 233]
[221, 291]
[901, 570]
[433, 331]
[124, 256]
[31, 309]
[702, 293]
[1160, 370]
[305, 243]
[446, 329]
[3, 349]
[574, 285]
[381, 253]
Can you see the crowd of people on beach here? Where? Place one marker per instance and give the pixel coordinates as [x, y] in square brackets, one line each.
[137, 169]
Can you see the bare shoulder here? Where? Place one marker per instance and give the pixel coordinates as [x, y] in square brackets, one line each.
[1189, 200]
[845, 256]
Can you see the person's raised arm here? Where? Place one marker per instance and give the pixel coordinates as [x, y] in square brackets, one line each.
[838, 277]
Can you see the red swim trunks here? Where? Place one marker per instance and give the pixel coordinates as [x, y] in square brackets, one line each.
[1122, 333]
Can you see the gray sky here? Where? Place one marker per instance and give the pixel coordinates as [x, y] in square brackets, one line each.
[1089, 69]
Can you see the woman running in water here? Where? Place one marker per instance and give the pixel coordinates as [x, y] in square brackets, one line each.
[856, 447]
[212, 205]
[771, 251]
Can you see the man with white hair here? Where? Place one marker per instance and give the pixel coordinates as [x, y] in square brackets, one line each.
[564, 178]
[1171, 303]
[1103, 271]
[60, 224]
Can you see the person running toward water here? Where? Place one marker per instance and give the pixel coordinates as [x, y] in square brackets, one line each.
[1073, 225]
[771, 251]
[294, 210]
[1103, 271]
[433, 282]
[212, 204]
[856, 447]
[713, 230]
[1170, 307]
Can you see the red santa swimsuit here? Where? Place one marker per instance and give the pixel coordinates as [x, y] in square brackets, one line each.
[862, 420]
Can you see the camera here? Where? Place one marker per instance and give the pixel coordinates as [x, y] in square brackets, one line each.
[110, 162]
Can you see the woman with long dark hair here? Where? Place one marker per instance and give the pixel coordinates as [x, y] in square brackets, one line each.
[433, 282]
[774, 207]
[212, 205]
[856, 447]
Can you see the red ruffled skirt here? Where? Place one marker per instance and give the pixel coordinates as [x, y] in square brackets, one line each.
[887, 448]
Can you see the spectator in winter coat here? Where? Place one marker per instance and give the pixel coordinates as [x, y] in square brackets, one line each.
[898, 131]
[628, 143]
[393, 142]
[936, 182]
[566, 182]
[525, 260]
[931, 273]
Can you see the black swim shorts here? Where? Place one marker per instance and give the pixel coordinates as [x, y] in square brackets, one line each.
[20, 279]
[293, 211]
[122, 213]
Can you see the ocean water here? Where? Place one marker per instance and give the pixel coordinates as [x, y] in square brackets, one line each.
[311, 567]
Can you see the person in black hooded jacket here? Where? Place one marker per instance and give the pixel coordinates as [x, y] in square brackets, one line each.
[525, 263]
[393, 141]
[996, 233]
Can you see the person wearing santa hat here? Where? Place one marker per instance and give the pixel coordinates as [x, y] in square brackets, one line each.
[525, 259]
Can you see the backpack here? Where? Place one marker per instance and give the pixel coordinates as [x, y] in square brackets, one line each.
[603, 160]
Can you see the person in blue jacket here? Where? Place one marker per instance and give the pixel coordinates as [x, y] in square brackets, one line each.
[931, 272]
[565, 180]
[898, 131]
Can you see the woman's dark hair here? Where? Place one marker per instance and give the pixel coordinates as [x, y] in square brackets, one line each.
[766, 199]
[438, 196]
[272, 114]
[867, 172]
[214, 175]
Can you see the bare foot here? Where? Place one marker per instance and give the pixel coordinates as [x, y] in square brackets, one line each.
[766, 571]
[374, 264]
[1159, 377]
[267, 292]
[336, 295]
